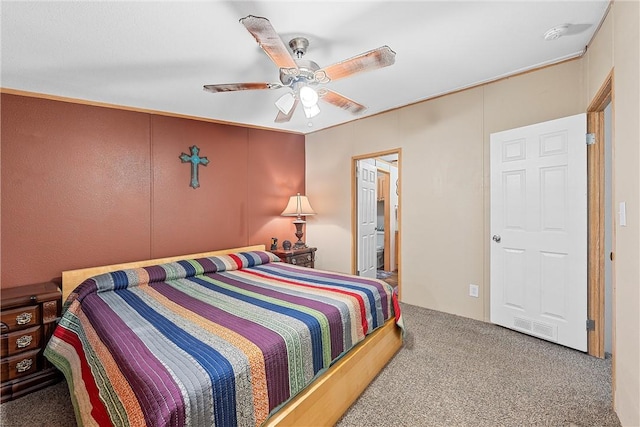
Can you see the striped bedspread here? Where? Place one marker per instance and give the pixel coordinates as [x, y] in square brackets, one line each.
[218, 341]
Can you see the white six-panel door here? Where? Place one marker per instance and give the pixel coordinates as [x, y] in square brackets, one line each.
[539, 230]
[366, 200]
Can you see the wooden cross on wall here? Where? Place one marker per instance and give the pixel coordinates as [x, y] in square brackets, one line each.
[195, 161]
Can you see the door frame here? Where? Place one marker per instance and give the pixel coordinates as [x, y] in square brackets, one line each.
[366, 182]
[387, 219]
[596, 227]
[354, 211]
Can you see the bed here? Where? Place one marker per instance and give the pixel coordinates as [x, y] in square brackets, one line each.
[231, 337]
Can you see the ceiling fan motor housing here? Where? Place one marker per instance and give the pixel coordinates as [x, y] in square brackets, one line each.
[306, 72]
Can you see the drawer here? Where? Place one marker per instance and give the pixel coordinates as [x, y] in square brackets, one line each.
[20, 365]
[18, 341]
[20, 318]
[303, 260]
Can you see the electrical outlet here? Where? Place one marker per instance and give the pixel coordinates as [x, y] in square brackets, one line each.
[474, 291]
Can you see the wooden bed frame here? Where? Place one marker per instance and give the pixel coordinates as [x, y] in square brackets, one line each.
[326, 399]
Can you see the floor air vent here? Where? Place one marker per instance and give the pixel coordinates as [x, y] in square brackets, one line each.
[520, 323]
[543, 330]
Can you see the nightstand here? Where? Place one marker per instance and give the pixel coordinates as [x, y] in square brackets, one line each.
[29, 316]
[305, 257]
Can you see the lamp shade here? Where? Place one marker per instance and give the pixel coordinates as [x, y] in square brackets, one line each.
[310, 112]
[298, 206]
[308, 96]
[285, 103]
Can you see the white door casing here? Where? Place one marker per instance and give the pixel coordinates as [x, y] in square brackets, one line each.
[366, 205]
[539, 230]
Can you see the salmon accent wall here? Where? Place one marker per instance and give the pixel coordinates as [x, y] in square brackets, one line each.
[85, 186]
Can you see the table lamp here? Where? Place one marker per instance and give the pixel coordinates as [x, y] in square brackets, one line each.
[298, 206]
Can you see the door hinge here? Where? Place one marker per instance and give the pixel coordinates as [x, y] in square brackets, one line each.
[591, 325]
[591, 138]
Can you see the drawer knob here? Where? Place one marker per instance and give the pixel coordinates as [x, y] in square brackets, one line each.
[308, 257]
[24, 365]
[23, 318]
[24, 341]
[293, 261]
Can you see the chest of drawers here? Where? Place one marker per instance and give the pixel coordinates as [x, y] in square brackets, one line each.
[29, 316]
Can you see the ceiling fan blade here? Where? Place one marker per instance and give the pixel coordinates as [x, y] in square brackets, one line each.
[371, 60]
[269, 41]
[230, 87]
[341, 101]
[283, 118]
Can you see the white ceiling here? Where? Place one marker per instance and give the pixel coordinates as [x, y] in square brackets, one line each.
[158, 55]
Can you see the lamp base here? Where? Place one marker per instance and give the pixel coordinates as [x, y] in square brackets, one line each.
[299, 244]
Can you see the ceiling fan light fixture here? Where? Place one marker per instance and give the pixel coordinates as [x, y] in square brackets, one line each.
[308, 97]
[285, 103]
[312, 111]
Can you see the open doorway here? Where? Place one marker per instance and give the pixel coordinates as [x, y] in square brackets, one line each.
[375, 216]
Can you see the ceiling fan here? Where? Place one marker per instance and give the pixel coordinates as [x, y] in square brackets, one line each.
[302, 76]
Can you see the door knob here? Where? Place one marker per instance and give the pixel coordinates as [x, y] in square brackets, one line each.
[497, 238]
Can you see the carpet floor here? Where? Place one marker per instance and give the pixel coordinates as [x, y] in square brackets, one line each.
[451, 371]
[455, 371]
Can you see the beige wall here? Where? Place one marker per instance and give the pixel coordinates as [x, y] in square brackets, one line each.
[617, 47]
[445, 180]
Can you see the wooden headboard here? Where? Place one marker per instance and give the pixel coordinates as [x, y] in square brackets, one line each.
[72, 278]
